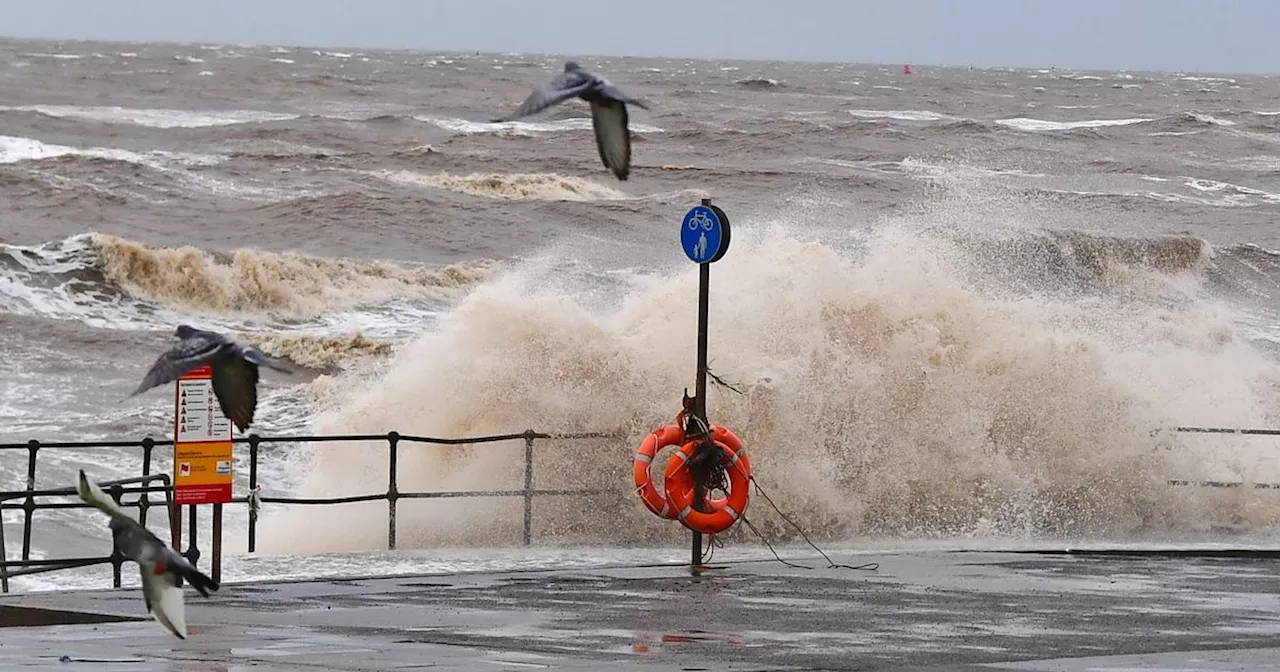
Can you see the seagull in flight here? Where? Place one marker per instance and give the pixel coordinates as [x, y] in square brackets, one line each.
[235, 370]
[162, 568]
[608, 111]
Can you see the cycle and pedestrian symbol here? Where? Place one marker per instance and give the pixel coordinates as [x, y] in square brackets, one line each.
[704, 234]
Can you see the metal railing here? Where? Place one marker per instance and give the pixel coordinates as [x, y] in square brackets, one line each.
[32, 498]
[1225, 484]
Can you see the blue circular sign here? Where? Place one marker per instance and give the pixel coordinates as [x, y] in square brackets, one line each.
[704, 234]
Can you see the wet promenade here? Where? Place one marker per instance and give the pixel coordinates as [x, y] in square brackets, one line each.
[929, 611]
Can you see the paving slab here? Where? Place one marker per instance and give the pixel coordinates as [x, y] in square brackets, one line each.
[934, 611]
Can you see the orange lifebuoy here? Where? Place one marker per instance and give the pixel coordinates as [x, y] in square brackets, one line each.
[671, 435]
[679, 484]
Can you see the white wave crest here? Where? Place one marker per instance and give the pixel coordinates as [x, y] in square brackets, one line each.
[1037, 125]
[174, 164]
[525, 128]
[154, 117]
[903, 115]
[15, 149]
[1209, 119]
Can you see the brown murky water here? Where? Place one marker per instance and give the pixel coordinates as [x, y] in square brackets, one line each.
[958, 301]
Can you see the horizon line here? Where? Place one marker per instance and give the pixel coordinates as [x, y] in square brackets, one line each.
[585, 55]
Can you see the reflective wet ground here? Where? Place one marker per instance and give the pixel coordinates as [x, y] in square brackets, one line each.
[916, 611]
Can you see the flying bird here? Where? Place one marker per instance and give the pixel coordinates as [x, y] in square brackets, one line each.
[608, 111]
[161, 567]
[235, 370]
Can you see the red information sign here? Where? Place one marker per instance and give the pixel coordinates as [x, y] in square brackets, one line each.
[202, 445]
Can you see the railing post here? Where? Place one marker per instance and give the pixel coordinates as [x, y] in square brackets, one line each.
[254, 440]
[4, 556]
[393, 493]
[117, 558]
[528, 486]
[29, 506]
[144, 498]
[215, 567]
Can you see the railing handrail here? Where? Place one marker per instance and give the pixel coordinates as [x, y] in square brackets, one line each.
[457, 441]
[1225, 430]
[322, 438]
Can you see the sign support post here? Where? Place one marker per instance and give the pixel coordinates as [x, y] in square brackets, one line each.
[704, 235]
[202, 455]
[700, 395]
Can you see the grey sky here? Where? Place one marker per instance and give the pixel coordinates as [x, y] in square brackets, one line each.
[1190, 35]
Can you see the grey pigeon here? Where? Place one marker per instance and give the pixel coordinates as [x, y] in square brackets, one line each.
[235, 370]
[161, 567]
[608, 111]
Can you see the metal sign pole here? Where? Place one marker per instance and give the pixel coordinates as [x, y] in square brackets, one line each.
[700, 391]
[704, 234]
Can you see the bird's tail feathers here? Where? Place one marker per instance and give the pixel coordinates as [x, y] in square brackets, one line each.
[199, 580]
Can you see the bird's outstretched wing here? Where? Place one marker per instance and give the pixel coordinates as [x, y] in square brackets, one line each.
[93, 495]
[255, 356]
[164, 599]
[188, 354]
[564, 86]
[134, 540]
[235, 384]
[613, 138]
